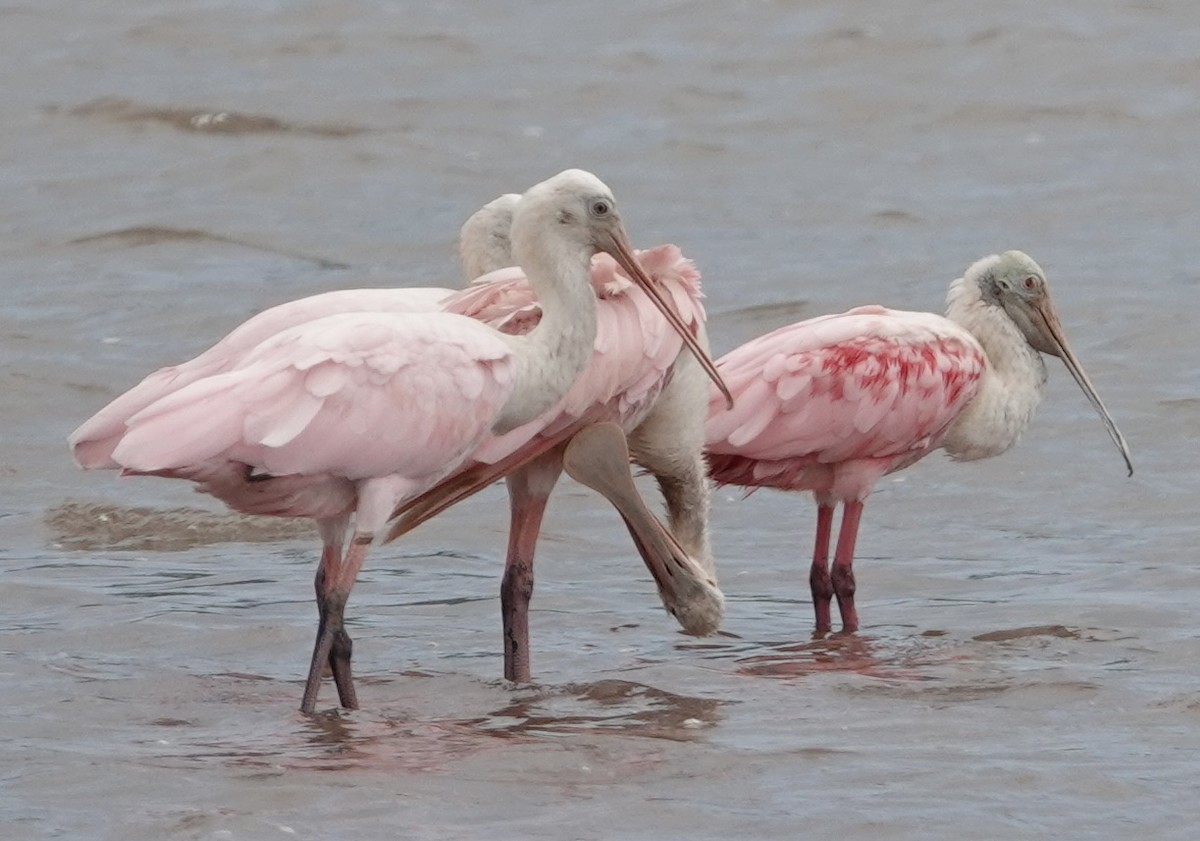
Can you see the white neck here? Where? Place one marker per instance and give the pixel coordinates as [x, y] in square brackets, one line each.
[1013, 379]
[484, 244]
[483, 255]
[552, 355]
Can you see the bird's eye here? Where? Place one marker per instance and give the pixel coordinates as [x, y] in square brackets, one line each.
[601, 207]
[1030, 283]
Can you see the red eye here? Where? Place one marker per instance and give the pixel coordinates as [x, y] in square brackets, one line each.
[1030, 282]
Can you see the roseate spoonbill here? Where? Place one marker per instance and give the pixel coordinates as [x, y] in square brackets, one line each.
[350, 414]
[692, 596]
[832, 404]
[637, 377]
[92, 444]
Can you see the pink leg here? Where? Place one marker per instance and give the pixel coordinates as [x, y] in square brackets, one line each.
[333, 645]
[528, 491]
[818, 576]
[843, 560]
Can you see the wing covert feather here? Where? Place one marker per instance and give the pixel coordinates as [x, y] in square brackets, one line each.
[868, 383]
[362, 394]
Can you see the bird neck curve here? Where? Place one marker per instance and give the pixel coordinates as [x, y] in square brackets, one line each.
[483, 241]
[1013, 378]
[552, 355]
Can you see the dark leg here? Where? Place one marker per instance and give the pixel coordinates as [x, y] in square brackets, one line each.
[333, 645]
[843, 560]
[332, 609]
[339, 661]
[528, 491]
[818, 576]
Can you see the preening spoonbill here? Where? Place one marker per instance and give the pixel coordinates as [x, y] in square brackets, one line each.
[352, 413]
[638, 377]
[832, 404]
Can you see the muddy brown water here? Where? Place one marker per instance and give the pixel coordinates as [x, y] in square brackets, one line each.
[1027, 666]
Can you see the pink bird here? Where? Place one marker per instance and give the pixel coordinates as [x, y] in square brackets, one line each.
[350, 414]
[485, 236]
[94, 441]
[638, 377]
[832, 404]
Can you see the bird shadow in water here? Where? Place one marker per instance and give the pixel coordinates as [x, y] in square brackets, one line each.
[606, 706]
[849, 653]
[418, 741]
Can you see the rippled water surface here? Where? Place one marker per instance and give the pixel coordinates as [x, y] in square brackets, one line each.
[1028, 662]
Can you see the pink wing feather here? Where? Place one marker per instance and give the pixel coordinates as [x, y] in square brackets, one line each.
[94, 441]
[360, 394]
[635, 348]
[292, 389]
[870, 384]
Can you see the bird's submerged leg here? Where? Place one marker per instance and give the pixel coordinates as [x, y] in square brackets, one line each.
[818, 577]
[331, 559]
[339, 660]
[842, 573]
[529, 491]
[333, 647]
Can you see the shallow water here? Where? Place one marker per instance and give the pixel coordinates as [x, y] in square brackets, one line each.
[1027, 665]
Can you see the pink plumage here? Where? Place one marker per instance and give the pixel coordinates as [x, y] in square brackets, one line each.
[93, 442]
[635, 349]
[630, 366]
[335, 418]
[319, 409]
[634, 358]
[833, 403]
[352, 394]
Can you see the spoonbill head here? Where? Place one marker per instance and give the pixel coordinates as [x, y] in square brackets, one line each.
[834, 403]
[1014, 283]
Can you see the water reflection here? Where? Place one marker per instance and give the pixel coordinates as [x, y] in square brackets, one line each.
[609, 706]
[417, 739]
[331, 740]
[97, 526]
[839, 652]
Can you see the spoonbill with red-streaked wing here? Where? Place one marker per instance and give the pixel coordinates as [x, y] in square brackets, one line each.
[832, 404]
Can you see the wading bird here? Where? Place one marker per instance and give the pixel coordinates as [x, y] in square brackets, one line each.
[347, 415]
[639, 377]
[832, 404]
